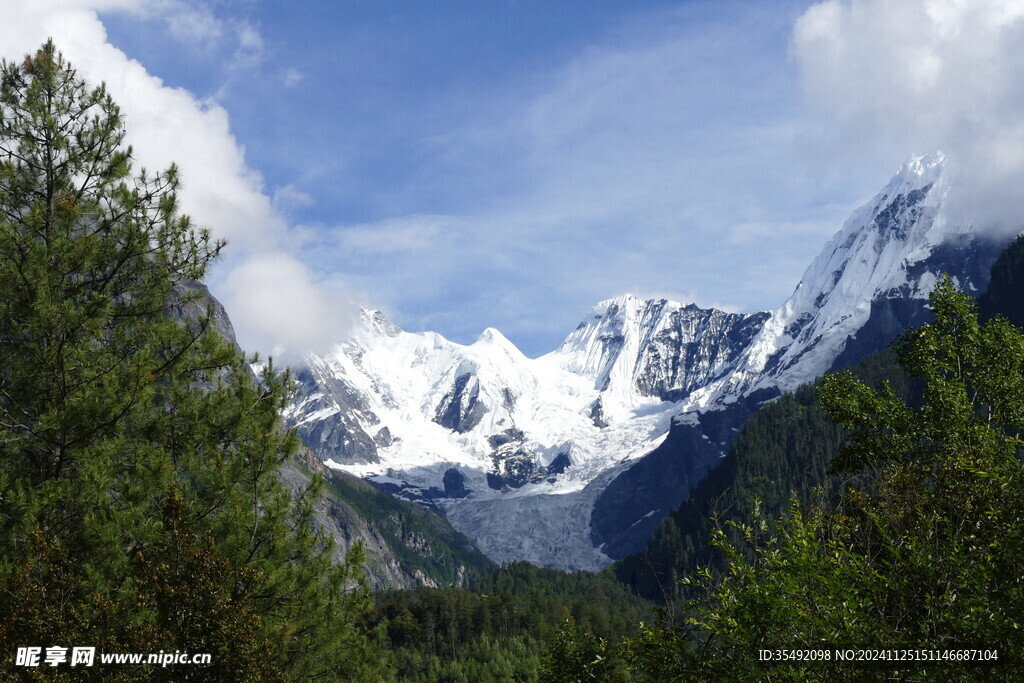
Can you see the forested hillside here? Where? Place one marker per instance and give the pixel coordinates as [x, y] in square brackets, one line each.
[781, 452]
[500, 629]
[1005, 293]
[406, 545]
[784, 452]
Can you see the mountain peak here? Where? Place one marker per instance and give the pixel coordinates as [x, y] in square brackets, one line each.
[491, 334]
[375, 322]
[875, 256]
[493, 337]
[918, 173]
[616, 305]
[923, 165]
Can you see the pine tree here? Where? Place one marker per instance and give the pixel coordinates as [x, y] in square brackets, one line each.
[575, 655]
[140, 507]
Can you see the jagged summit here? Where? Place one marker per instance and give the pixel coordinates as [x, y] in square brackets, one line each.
[375, 322]
[616, 306]
[634, 350]
[883, 251]
[920, 170]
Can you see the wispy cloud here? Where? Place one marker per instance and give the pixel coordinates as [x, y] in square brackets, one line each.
[289, 197]
[410, 234]
[292, 77]
[895, 78]
[250, 49]
[192, 24]
[197, 26]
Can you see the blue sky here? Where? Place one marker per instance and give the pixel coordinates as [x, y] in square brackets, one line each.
[464, 165]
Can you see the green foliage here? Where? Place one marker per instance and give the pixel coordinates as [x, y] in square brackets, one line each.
[782, 451]
[140, 507]
[924, 552]
[575, 655]
[503, 626]
[660, 653]
[1005, 293]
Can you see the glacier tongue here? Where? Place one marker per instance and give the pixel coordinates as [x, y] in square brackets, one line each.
[534, 443]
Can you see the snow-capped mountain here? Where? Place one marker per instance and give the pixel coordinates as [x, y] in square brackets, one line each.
[481, 430]
[571, 459]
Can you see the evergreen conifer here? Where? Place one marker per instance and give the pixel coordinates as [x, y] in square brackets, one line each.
[140, 506]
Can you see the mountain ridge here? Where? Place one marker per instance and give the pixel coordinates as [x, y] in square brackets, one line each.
[543, 452]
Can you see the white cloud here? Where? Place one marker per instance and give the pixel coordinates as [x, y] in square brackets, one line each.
[290, 197]
[190, 24]
[416, 234]
[292, 77]
[194, 24]
[250, 50]
[219, 189]
[277, 304]
[896, 78]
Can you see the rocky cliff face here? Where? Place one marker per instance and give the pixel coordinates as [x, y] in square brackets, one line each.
[192, 301]
[656, 348]
[407, 546]
[344, 427]
[347, 528]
